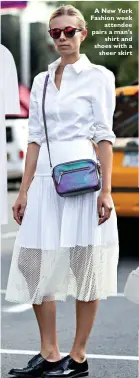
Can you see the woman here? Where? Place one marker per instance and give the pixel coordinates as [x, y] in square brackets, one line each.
[66, 246]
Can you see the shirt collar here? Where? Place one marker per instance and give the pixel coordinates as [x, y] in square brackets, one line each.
[78, 66]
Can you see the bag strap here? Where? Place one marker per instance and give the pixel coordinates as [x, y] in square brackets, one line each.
[96, 150]
[44, 117]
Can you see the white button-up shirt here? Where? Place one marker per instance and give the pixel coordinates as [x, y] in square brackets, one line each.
[83, 107]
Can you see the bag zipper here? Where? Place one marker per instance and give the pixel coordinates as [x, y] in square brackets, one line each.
[75, 170]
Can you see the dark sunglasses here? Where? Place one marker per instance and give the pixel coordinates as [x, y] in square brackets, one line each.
[69, 32]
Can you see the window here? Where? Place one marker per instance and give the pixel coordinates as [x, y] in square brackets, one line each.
[125, 120]
[9, 134]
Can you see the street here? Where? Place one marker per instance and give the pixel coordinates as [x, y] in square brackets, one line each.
[113, 347]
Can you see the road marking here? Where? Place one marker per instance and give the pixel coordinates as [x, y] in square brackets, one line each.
[8, 235]
[17, 308]
[91, 356]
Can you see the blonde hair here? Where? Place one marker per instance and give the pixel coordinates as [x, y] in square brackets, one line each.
[69, 10]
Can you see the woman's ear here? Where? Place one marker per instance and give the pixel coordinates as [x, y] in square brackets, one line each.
[84, 34]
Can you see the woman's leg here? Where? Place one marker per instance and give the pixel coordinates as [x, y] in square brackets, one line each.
[85, 316]
[46, 317]
[29, 264]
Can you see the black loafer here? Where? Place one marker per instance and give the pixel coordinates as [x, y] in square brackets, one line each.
[67, 367]
[30, 362]
[36, 366]
[33, 359]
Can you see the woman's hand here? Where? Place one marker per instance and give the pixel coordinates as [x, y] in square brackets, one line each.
[30, 167]
[19, 207]
[104, 206]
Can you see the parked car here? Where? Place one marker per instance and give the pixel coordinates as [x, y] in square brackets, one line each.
[125, 178]
[16, 137]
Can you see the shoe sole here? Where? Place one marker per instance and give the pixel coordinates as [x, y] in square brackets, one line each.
[85, 374]
[20, 375]
[23, 375]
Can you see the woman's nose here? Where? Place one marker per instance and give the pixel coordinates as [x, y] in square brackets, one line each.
[62, 35]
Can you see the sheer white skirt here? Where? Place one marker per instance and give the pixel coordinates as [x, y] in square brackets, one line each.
[60, 250]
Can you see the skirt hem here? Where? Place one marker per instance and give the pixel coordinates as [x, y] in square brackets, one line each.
[64, 299]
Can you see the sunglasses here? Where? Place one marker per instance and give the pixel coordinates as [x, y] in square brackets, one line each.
[69, 32]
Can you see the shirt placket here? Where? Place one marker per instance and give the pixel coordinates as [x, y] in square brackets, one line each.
[59, 94]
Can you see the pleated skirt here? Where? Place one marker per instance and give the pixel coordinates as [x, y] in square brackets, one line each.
[60, 250]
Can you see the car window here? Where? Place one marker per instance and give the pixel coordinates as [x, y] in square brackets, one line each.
[9, 134]
[125, 119]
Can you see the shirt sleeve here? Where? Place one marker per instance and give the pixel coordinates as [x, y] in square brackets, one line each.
[34, 126]
[104, 104]
[11, 91]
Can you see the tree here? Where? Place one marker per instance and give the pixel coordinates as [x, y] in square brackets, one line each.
[124, 67]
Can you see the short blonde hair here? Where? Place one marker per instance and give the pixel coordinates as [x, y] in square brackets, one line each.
[69, 10]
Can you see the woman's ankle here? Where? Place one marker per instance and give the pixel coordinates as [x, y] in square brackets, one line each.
[78, 355]
[52, 354]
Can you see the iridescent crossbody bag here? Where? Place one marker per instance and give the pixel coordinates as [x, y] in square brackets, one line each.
[73, 177]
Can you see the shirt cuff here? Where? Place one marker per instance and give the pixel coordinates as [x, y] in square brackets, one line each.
[35, 140]
[110, 138]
